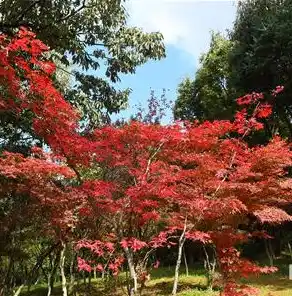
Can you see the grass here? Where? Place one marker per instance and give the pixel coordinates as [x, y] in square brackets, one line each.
[161, 281]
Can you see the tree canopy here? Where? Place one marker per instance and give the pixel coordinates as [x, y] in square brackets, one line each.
[92, 38]
[256, 56]
[117, 194]
[200, 98]
[261, 56]
[78, 197]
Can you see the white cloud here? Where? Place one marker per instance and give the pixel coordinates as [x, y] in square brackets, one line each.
[184, 24]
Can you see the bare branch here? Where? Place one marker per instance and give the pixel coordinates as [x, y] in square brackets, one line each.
[152, 157]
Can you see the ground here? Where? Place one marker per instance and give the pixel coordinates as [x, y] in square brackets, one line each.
[277, 284]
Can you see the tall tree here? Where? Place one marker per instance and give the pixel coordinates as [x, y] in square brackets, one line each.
[257, 57]
[92, 36]
[261, 56]
[210, 95]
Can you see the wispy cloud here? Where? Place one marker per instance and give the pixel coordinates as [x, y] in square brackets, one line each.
[185, 24]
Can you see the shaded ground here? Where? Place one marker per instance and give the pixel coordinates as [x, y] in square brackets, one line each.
[160, 284]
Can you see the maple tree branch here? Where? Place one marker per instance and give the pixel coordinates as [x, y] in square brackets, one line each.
[146, 257]
[78, 175]
[226, 175]
[182, 236]
[234, 153]
[108, 261]
[152, 157]
[41, 259]
[253, 114]
[70, 165]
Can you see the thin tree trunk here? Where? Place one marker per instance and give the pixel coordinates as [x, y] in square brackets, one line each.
[84, 278]
[62, 270]
[271, 249]
[178, 262]
[52, 274]
[18, 291]
[186, 262]
[50, 288]
[210, 266]
[181, 242]
[39, 263]
[269, 254]
[133, 274]
[89, 279]
[72, 274]
[7, 277]
[290, 249]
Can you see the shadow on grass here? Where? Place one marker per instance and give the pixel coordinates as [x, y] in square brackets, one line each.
[275, 281]
[161, 288]
[82, 290]
[41, 291]
[162, 280]
[165, 288]
[169, 272]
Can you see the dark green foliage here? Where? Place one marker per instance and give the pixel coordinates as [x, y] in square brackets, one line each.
[261, 57]
[210, 95]
[256, 57]
[186, 106]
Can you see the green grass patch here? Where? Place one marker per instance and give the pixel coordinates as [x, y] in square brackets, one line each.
[194, 284]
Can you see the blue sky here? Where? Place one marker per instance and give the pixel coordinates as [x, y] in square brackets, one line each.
[186, 26]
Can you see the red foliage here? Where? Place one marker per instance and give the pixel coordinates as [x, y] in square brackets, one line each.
[26, 79]
[157, 180]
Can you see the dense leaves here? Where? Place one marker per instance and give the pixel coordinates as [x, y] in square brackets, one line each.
[93, 35]
[254, 57]
[212, 86]
[119, 193]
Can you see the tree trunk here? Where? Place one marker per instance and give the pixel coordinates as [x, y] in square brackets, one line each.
[52, 273]
[6, 283]
[133, 274]
[51, 278]
[210, 266]
[34, 272]
[186, 262]
[178, 262]
[271, 248]
[72, 273]
[290, 249]
[181, 242]
[18, 291]
[50, 286]
[62, 270]
[269, 253]
[89, 279]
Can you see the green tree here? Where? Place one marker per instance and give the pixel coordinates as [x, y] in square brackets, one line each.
[92, 35]
[261, 56]
[210, 95]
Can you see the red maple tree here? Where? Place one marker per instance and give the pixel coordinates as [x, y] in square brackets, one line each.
[201, 180]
